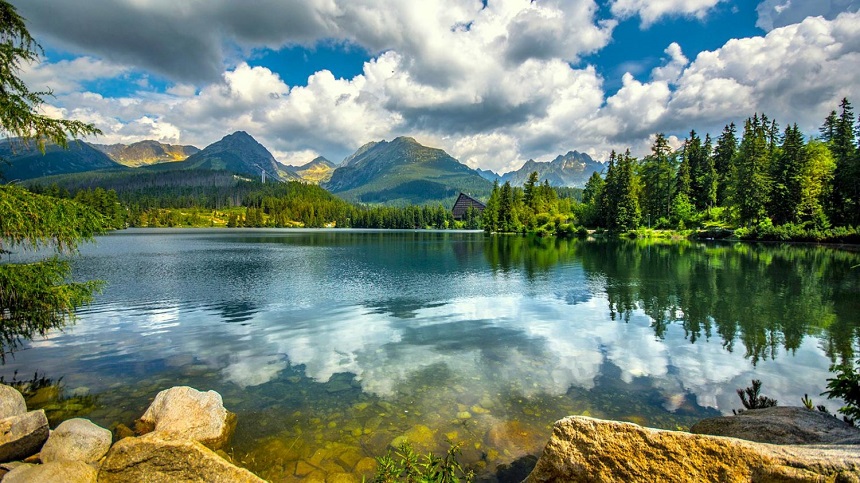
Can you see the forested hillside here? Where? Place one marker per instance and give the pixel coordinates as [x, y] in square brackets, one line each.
[768, 182]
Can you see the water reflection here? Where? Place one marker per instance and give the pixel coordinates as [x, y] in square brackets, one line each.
[362, 337]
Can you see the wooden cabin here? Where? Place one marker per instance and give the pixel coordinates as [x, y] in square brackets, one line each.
[463, 203]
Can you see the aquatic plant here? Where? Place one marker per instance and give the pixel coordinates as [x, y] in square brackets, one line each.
[407, 466]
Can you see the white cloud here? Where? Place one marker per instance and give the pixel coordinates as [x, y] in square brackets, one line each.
[651, 11]
[780, 13]
[492, 86]
[68, 75]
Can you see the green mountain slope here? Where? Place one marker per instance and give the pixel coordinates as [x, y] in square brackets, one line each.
[144, 153]
[20, 162]
[238, 153]
[404, 172]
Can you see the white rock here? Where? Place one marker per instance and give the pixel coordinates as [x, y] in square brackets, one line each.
[190, 414]
[11, 402]
[76, 440]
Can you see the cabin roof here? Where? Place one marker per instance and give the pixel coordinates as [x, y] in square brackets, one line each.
[463, 203]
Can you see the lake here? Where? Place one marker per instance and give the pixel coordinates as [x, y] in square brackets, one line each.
[330, 345]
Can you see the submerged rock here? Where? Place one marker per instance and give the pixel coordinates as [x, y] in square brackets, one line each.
[190, 414]
[76, 440]
[587, 449]
[22, 435]
[11, 402]
[164, 457]
[781, 425]
[65, 471]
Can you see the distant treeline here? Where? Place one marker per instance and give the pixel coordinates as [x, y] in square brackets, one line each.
[209, 198]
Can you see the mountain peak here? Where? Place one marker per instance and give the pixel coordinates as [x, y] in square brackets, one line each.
[405, 140]
[403, 171]
[571, 169]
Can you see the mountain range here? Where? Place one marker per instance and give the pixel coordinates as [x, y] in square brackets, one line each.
[572, 169]
[20, 161]
[144, 153]
[400, 171]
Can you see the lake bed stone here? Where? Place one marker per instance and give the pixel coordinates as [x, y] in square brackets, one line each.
[76, 440]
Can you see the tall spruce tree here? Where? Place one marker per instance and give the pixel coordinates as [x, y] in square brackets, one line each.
[845, 194]
[658, 175]
[751, 175]
[724, 154]
[35, 297]
[786, 174]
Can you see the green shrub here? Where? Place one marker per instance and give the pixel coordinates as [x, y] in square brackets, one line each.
[406, 465]
[845, 385]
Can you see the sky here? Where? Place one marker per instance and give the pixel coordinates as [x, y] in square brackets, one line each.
[494, 83]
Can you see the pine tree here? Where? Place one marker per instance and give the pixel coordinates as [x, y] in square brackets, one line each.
[751, 175]
[787, 175]
[658, 174]
[490, 216]
[35, 297]
[724, 154]
[529, 190]
[845, 194]
[828, 129]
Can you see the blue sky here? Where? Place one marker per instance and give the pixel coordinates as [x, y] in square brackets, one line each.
[493, 83]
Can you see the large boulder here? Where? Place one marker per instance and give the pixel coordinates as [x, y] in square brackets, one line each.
[163, 457]
[190, 414]
[22, 435]
[587, 449]
[76, 440]
[781, 425]
[11, 402]
[65, 471]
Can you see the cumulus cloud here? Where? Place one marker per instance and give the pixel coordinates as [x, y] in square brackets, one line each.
[493, 85]
[651, 11]
[780, 13]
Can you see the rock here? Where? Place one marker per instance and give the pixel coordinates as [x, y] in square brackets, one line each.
[22, 435]
[122, 431]
[11, 402]
[165, 457]
[781, 425]
[587, 449]
[65, 471]
[514, 439]
[76, 440]
[191, 414]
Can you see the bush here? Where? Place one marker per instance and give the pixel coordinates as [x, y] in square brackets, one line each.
[846, 385]
[582, 232]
